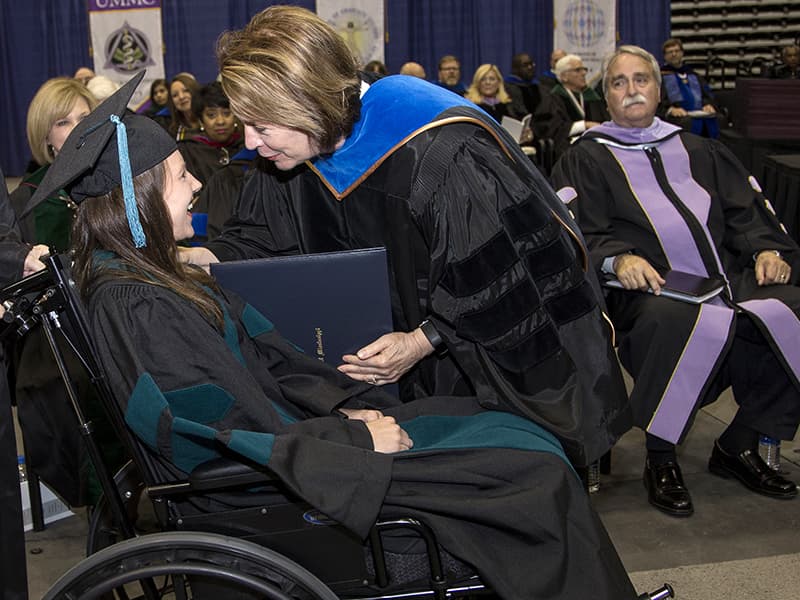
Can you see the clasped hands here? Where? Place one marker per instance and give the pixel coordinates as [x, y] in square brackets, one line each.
[387, 436]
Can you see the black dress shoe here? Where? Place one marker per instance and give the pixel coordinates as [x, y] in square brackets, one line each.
[666, 490]
[749, 468]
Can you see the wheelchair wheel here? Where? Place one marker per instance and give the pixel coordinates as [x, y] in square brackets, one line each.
[188, 565]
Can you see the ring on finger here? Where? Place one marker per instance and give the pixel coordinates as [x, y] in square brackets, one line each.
[372, 380]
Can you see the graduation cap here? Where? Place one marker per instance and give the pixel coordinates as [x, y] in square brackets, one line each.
[106, 150]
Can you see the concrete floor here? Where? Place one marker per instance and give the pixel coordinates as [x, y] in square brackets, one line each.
[736, 545]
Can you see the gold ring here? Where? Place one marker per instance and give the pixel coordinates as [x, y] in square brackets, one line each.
[373, 380]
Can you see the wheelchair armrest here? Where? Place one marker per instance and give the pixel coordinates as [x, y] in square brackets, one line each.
[222, 473]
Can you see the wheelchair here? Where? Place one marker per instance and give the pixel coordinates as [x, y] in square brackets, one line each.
[227, 530]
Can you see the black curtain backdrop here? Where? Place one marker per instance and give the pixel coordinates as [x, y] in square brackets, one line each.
[43, 39]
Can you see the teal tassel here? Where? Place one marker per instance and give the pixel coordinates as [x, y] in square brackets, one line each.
[131, 211]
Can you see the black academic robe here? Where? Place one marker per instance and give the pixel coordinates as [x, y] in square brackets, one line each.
[557, 113]
[204, 157]
[512, 508]
[477, 243]
[12, 539]
[529, 92]
[220, 193]
[685, 202]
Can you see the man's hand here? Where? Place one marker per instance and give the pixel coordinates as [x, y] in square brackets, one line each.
[388, 436]
[635, 273]
[677, 111]
[32, 262]
[197, 255]
[388, 358]
[771, 269]
[709, 109]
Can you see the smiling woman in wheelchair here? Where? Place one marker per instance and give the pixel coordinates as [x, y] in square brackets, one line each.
[200, 373]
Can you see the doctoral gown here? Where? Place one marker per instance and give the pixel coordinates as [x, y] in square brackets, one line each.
[684, 88]
[496, 489]
[477, 243]
[686, 203]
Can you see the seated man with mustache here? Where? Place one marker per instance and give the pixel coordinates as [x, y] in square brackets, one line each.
[652, 198]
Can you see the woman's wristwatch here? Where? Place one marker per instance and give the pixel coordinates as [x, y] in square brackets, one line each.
[429, 330]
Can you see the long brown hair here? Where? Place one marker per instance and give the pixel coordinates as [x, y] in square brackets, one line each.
[289, 68]
[101, 224]
[178, 119]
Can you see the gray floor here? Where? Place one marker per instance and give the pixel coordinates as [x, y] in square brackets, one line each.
[737, 545]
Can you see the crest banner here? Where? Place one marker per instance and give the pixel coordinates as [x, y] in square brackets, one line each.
[126, 38]
[360, 23]
[587, 28]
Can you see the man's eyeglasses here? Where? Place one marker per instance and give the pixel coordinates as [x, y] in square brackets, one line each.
[579, 69]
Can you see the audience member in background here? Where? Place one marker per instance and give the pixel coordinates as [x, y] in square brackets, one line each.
[549, 79]
[184, 123]
[450, 74]
[570, 108]
[686, 99]
[55, 109]
[217, 200]
[413, 69]
[522, 81]
[488, 92]
[376, 66]
[83, 74]
[101, 87]
[219, 138]
[790, 69]
[157, 104]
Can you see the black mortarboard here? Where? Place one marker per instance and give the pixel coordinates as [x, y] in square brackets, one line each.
[106, 150]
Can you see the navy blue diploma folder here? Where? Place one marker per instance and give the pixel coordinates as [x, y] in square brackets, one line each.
[329, 304]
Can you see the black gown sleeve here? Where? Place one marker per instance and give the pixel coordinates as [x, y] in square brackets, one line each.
[750, 221]
[263, 222]
[494, 243]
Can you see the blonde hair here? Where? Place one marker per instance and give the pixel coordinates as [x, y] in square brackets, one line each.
[54, 100]
[473, 91]
[289, 68]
